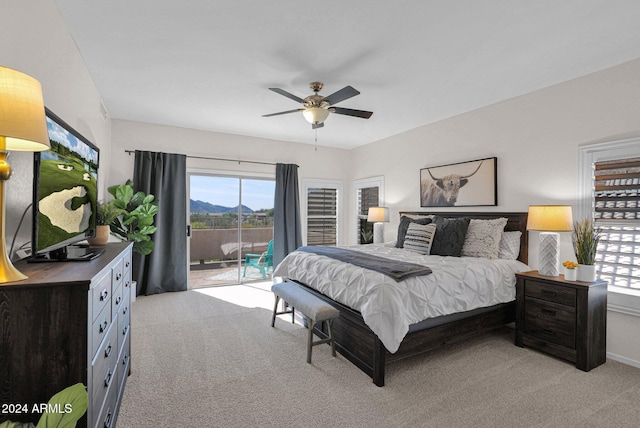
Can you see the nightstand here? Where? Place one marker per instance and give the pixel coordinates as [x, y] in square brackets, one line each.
[567, 319]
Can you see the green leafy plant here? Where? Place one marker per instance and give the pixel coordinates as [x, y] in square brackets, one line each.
[585, 241]
[106, 213]
[134, 221]
[63, 410]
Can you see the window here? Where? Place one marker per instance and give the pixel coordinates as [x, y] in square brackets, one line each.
[322, 212]
[610, 194]
[617, 214]
[368, 193]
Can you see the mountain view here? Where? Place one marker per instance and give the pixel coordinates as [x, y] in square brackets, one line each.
[201, 207]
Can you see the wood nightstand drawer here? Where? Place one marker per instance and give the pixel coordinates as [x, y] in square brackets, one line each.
[551, 293]
[551, 322]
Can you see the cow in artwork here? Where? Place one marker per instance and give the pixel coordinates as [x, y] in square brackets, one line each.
[443, 192]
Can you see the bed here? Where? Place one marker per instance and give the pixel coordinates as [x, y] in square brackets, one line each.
[354, 329]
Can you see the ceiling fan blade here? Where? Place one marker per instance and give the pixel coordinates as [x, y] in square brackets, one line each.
[283, 112]
[341, 95]
[317, 125]
[287, 94]
[351, 112]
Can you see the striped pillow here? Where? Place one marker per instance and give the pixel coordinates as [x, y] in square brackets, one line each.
[419, 237]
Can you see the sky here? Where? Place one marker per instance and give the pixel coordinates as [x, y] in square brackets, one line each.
[256, 194]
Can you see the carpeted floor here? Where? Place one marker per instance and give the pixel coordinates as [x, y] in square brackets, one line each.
[209, 358]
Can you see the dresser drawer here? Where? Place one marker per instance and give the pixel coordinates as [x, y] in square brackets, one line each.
[551, 293]
[100, 295]
[107, 415]
[123, 322]
[99, 328]
[550, 322]
[118, 273]
[126, 260]
[116, 300]
[103, 368]
[124, 360]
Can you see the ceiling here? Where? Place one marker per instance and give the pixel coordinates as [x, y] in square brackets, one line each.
[208, 64]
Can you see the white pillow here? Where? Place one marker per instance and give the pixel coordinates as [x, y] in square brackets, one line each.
[419, 237]
[483, 238]
[510, 245]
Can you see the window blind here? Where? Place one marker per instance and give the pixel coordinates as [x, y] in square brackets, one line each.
[322, 216]
[617, 214]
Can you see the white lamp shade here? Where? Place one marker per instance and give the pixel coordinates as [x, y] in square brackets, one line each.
[550, 218]
[315, 114]
[22, 116]
[378, 214]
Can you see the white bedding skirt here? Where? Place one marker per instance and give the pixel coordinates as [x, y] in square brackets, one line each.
[457, 284]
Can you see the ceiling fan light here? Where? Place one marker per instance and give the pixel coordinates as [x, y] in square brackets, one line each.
[315, 114]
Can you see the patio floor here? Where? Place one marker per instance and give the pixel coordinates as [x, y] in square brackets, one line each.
[222, 276]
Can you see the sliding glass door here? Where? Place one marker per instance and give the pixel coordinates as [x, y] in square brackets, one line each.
[231, 229]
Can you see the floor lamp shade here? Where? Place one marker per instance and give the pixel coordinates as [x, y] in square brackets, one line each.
[550, 219]
[378, 215]
[23, 127]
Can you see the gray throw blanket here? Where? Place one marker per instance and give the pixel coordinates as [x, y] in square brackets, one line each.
[398, 270]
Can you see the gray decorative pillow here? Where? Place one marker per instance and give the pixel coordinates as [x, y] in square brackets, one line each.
[405, 221]
[483, 238]
[510, 245]
[449, 238]
[419, 237]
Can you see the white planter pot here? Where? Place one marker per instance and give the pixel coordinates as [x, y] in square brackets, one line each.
[586, 273]
[571, 274]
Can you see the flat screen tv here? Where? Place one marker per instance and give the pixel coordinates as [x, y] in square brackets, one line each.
[65, 195]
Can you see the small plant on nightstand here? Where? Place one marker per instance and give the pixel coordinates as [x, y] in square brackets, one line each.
[585, 244]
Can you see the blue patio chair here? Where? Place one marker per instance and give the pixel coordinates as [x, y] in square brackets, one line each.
[263, 262]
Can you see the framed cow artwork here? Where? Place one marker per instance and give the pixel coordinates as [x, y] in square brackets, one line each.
[471, 183]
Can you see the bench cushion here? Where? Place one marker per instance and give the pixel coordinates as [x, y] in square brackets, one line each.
[305, 302]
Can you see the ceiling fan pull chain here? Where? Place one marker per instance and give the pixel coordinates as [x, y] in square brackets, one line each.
[316, 140]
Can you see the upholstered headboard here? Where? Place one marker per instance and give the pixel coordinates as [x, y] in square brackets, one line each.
[515, 221]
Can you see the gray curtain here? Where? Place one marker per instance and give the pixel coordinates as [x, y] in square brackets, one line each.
[287, 230]
[165, 176]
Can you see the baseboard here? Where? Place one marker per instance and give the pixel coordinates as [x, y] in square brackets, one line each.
[624, 360]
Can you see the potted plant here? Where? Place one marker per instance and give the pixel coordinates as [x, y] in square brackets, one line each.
[585, 244]
[106, 213]
[134, 221]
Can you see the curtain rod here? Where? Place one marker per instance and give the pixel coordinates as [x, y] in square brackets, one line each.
[218, 159]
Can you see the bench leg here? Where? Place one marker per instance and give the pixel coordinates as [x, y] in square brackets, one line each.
[310, 339]
[275, 311]
[333, 345]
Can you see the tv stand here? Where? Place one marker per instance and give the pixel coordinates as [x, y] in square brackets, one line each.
[70, 253]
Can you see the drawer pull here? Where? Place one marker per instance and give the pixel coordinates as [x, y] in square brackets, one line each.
[127, 283]
[107, 420]
[103, 295]
[124, 330]
[125, 310]
[118, 276]
[103, 325]
[108, 350]
[549, 332]
[118, 300]
[548, 293]
[107, 378]
[127, 263]
[125, 359]
[548, 312]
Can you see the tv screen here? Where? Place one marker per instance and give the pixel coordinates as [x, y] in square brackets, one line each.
[65, 193]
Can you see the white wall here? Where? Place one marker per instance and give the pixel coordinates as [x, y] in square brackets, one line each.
[35, 41]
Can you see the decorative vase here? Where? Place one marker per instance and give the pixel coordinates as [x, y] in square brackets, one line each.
[570, 274]
[586, 273]
[101, 238]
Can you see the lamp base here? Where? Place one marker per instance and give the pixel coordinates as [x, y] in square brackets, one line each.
[549, 254]
[378, 233]
[8, 273]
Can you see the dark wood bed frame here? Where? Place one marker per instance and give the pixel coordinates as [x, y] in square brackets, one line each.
[355, 340]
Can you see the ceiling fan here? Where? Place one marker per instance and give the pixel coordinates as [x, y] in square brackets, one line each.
[317, 107]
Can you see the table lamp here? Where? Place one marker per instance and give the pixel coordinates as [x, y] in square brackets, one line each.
[378, 215]
[550, 219]
[23, 127]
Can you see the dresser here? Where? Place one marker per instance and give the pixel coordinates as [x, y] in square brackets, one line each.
[567, 319]
[69, 322]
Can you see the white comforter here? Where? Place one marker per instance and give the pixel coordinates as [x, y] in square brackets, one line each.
[457, 284]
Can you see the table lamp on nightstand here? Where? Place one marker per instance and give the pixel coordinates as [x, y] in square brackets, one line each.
[378, 215]
[23, 127]
[549, 220]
